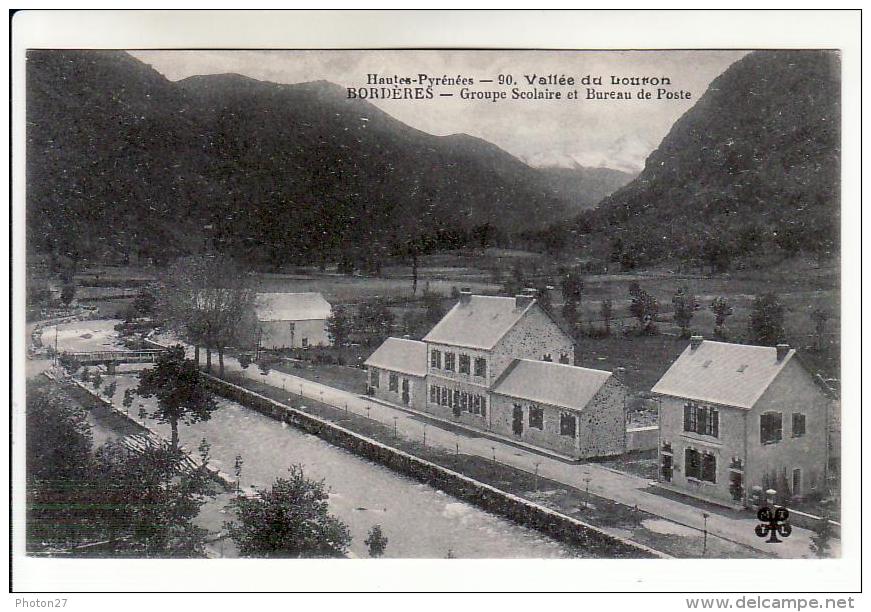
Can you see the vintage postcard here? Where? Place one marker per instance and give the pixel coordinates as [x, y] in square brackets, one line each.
[433, 302]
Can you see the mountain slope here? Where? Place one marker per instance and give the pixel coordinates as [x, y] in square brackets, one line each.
[753, 165]
[109, 158]
[582, 188]
[121, 160]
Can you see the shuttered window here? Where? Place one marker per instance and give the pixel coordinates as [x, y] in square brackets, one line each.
[798, 425]
[480, 367]
[536, 417]
[567, 424]
[704, 420]
[770, 427]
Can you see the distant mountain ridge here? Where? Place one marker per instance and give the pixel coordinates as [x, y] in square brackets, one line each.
[583, 188]
[753, 165]
[120, 159]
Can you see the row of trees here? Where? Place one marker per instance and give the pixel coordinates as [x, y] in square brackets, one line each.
[210, 301]
[371, 322]
[767, 315]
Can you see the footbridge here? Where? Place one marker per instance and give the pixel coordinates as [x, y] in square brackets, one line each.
[111, 359]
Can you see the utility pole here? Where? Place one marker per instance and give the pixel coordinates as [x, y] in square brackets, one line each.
[705, 516]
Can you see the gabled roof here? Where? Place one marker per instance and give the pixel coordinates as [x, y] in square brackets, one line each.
[292, 307]
[723, 373]
[400, 355]
[556, 384]
[479, 324]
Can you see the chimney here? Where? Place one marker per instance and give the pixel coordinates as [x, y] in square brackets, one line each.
[782, 350]
[465, 295]
[696, 341]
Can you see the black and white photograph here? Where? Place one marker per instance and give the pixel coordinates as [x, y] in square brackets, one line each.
[433, 303]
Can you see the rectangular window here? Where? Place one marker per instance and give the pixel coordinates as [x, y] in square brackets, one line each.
[798, 425]
[394, 382]
[709, 467]
[305, 343]
[536, 417]
[465, 364]
[464, 401]
[450, 360]
[770, 427]
[433, 394]
[445, 396]
[476, 404]
[375, 378]
[567, 425]
[480, 367]
[667, 469]
[689, 417]
[456, 397]
[435, 359]
[692, 464]
[704, 420]
[483, 406]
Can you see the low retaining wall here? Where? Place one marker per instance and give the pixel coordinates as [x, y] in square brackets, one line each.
[491, 499]
[642, 438]
[810, 521]
[223, 479]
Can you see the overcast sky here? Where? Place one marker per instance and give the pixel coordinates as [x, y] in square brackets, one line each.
[611, 133]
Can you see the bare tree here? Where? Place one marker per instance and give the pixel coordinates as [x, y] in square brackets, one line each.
[211, 301]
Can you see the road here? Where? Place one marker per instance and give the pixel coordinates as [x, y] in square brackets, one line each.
[621, 487]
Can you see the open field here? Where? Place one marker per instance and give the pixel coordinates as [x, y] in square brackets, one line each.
[801, 286]
[349, 289]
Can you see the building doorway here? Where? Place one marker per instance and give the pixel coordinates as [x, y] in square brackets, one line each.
[796, 482]
[517, 422]
[406, 396]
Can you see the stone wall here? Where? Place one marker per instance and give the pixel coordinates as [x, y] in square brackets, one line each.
[491, 499]
[416, 387]
[534, 336]
[86, 394]
[599, 426]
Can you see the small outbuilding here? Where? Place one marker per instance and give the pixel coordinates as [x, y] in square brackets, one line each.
[397, 372]
[292, 320]
[575, 411]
